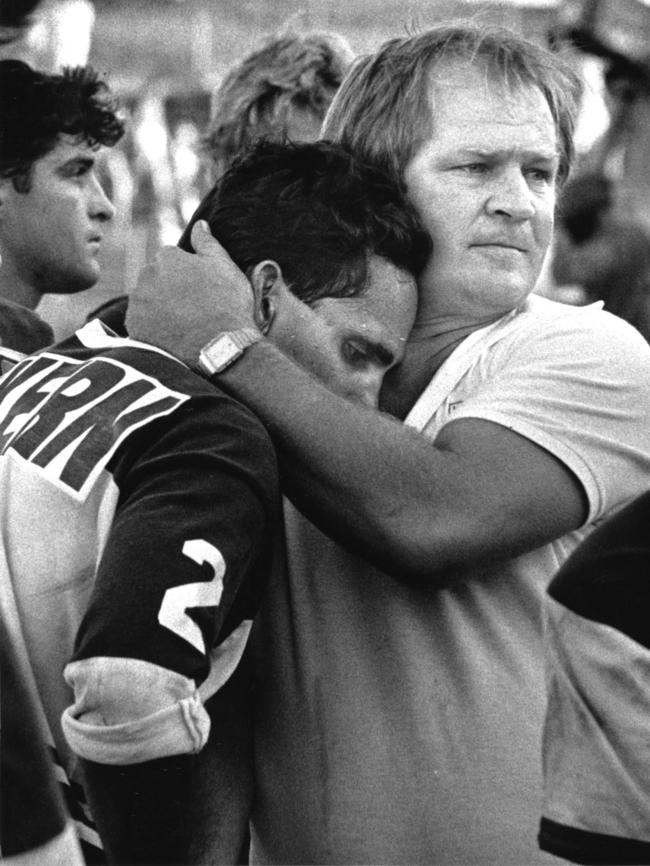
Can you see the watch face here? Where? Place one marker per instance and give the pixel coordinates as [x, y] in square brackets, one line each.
[218, 354]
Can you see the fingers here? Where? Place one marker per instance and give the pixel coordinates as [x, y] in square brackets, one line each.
[203, 242]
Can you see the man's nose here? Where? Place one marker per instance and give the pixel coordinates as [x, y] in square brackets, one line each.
[100, 206]
[511, 196]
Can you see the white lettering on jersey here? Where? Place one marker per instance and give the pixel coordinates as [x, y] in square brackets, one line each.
[177, 600]
[68, 417]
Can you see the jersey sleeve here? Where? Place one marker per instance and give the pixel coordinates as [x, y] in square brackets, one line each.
[579, 387]
[177, 584]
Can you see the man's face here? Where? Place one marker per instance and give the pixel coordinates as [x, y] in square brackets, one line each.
[350, 343]
[484, 186]
[51, 235]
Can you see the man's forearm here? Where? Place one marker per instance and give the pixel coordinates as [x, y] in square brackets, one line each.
[356, 472]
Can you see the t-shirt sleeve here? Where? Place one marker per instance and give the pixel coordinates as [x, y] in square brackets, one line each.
[177, 584]
[579, 388]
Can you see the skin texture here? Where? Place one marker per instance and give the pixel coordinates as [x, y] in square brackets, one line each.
[50, 237]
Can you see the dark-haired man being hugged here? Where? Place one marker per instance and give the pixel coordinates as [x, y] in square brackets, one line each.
[53, 209]
[140, 505]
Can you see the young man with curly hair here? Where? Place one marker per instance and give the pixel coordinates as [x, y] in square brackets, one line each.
[53, 209]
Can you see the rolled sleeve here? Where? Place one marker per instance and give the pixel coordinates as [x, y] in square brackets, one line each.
[127, 711]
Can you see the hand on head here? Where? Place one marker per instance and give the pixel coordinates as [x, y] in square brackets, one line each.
[182, 300]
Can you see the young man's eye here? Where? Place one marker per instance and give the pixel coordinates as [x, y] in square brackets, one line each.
[77, 170]
[354, 353]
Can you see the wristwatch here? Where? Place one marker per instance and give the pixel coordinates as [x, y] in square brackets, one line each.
[225, 348]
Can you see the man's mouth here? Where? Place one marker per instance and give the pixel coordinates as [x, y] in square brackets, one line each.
[502, 245]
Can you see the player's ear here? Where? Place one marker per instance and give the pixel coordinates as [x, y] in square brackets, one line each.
[268, 288]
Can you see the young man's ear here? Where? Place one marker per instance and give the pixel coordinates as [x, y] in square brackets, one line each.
[268, 286]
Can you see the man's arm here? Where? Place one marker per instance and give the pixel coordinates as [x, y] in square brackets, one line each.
[181, 573]
[413, 507]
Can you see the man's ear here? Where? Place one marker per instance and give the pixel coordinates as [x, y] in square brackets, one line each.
[268, 286]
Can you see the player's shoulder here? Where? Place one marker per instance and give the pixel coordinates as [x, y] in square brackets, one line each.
[150, 383]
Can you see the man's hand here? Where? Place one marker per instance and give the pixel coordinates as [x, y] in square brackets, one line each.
[183, 300]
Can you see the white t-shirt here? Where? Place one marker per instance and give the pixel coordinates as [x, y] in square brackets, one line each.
[403, 725]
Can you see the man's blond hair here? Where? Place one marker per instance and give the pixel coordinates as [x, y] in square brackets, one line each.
[383, 109]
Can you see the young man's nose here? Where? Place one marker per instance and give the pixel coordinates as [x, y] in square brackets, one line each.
[100, 206]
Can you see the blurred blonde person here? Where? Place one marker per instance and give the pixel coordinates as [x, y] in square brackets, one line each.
[280, 91]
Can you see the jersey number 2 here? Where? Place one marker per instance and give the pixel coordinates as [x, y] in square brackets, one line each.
[173, 610]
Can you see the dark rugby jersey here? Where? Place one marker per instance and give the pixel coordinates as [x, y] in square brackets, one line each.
[138, 510]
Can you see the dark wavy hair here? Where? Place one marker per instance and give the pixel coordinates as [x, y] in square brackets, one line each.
[37, 108]
[318, 212]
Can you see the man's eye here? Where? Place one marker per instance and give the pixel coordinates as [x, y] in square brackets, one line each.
[354, 353]
[540, 175]
[78, 170]
[474, 167]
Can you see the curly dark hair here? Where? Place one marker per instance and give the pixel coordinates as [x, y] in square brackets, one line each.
[318, 212]
[37, 108]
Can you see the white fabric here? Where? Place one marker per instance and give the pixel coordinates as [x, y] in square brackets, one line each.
[399, 725]
[127, 711]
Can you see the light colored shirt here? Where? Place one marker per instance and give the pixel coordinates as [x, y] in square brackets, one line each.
[403, 725]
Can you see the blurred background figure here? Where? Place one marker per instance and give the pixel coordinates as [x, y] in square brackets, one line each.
[47, 34]
[601, 255]
[14, 18]
[281, 91]
[615, 35]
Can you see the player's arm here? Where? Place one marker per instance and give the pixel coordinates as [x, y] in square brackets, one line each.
[414, 508]
[180, 575]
